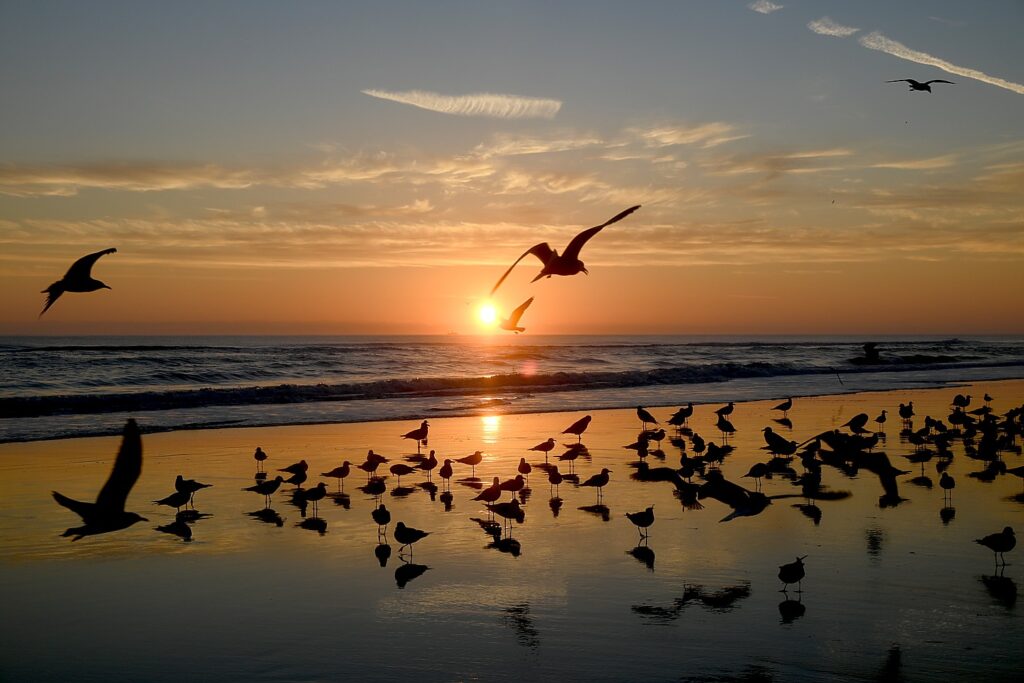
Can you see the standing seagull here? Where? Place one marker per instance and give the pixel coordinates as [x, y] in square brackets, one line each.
[567, 263]
[644, 417]
[1000, 543]
[77, 279]
[420, 435]
[512, 322]
[578, 427]
[642, 519]
[785, 406]
[792, 573]
[107, 513]
[917, 85]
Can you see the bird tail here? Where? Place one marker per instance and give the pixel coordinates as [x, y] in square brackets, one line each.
[52, 293]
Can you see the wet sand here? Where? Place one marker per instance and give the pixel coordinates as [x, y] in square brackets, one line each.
[889, 591]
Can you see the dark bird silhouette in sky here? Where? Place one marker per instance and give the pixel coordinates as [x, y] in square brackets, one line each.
[512, 322]
[108, 513]
[78, 279]
[917, 85]
[567, 263]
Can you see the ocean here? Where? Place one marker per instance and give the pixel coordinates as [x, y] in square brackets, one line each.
[60, 387]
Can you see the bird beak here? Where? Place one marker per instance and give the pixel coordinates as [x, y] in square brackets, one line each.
[107, 287]
[586, 272]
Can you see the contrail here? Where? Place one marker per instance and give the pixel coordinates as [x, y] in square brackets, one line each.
[476, 104]
[826, 27]
[876, 41]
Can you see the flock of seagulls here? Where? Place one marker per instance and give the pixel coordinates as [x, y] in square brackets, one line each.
[699, 478]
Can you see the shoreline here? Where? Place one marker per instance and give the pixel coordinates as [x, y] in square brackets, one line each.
[402, 408]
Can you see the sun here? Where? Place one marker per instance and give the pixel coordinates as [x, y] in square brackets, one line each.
[487, 314]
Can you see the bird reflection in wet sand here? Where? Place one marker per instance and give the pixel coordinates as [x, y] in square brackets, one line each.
[382, 551]
[407, 572]
[177, 528]
[790, 610]
[643, 554]
[375, 487]
[448, 500]
[722, 600]
[268, 516]
[555, 503]
[1001, 588]
[947, 514]
[507, 545]
[600, 510]
[510, 512]
[314, 524]
[518, 617]
[107, 513]
[341, 499]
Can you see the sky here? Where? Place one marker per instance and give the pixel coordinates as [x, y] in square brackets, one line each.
[373, 168]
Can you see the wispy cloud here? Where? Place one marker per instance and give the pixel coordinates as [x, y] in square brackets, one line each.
[706, 134]
[877, 41]
[507, 145]
[826, 27]
[764, 6]
[930, 164]
[31, 181]
[476, 104]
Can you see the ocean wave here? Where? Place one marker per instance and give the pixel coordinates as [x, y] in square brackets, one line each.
[88, 403]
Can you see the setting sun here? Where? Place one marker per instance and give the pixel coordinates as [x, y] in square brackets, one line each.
[487, 314]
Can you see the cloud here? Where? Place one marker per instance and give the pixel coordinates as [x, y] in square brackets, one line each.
[877, 41]
[764, 6]
[930, 164]
[29, 181]
[507, 145]
[827, 27]
[774, 165]
[476, 104]
[706, 134]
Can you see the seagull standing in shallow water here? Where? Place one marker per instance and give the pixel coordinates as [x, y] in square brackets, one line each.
[567, 263]
[78, 279]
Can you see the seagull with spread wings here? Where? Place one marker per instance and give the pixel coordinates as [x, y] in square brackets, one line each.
[567, 263]
[78, 279]
[107, 513]
[512, 322]
[917, 85]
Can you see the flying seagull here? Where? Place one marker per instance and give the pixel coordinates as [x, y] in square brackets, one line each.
[567, 263]
[107, 513]
[917, 85]
[77, 279]
[512, 323]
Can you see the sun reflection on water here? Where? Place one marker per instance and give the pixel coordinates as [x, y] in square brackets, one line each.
[491, 426]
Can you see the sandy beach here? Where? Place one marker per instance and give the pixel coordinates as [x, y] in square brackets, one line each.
[888, 589]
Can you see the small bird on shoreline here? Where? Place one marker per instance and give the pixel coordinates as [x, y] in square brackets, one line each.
[598, 481]
[419, 434]
[259, 456]
[578, 427]
[339, 473]
[645, 417]
[642, 520]
[1000, 543]
[785, 406]
[78, 279]
[267, 487]
[407, 536]
[792, 573]
[546, 447]
[382, 516]
[473, 459]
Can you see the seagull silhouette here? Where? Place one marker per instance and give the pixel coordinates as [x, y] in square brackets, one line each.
[77, 279]
[107, 513]
[917, 85]
[578, 427]
[567, 263]
[512, 322]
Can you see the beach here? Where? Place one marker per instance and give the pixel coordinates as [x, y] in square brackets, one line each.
[890, 590]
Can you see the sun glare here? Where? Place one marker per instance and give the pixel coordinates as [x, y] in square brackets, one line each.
[487, 314]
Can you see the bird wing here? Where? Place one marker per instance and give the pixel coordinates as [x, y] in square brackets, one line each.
[126, 471]
[52, 293]
[572, 252]
[542, 251]
[903, 80]
[938, 80]
[513, 318]
[82, 268]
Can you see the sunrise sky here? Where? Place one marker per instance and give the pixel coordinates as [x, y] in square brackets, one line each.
[374, 167]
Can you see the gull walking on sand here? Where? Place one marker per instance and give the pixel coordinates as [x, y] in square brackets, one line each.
[1000, 543]
[792, 573]
[578, 427]
[645, 417]
[545, 448]
[266, 488]
[473, 459]
[569, 262]
[598, 481]
[643, 520]
[407, 536]
[78, 279]
[419, 435]
[108, 513]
